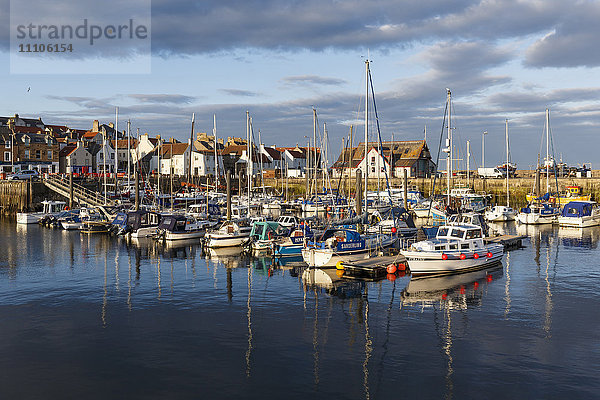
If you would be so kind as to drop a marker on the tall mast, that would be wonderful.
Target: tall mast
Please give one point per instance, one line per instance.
(314, 161)
(324, 159)
(366, 132)
(249, 164)
(468, 164)
(189, 174)
(449, 157)
(547, 151)
(128, 157)
(260, 160)
(216, 157)
(116, 146)
(507, 169)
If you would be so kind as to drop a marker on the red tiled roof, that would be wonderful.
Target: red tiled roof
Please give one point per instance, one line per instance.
(67, 150)
(28, 129)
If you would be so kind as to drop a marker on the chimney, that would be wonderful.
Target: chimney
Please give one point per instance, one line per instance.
(95, 126)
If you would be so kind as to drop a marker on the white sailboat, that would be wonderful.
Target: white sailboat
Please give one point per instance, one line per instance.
(500, 213)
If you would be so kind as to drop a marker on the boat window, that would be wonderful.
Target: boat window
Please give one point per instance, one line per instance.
(453, 247)
(443, 232)
(440, 247)
(473, 234)
(464, 246)
(457, 233)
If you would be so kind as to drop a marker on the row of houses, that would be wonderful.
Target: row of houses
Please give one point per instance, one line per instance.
(31, 144)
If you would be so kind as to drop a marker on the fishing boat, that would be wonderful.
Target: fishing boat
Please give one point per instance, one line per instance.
(538, 213)
(500, 214)
(263, 235)
(292, 245)
(50, 207)
(337, 245)
(230, 234)
(580, 214)
(180, 227)
(456, 248)
(470, 218)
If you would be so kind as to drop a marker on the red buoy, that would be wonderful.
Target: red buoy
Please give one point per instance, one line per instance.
(394, 230)
(488, 278)
(401, 267)
(391, 277)
(401, 274)
(391, 269)
(462, 289)
(444, 256)
(476, 285)
(476, 256)
(489, 254)
(462, 256)
(444, 296)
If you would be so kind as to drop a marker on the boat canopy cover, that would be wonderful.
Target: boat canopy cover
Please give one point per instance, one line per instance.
(350, 235)
(577, 209)
(261, 230)
(173, 223)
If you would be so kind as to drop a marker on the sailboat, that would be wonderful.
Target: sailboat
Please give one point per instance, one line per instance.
(540, 210)
(503, 213)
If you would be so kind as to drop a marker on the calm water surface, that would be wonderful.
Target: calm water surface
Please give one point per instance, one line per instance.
(97, 317)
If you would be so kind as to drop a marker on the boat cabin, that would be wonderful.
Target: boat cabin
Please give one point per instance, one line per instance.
(457, 238)
(578, 209)
(52, 207)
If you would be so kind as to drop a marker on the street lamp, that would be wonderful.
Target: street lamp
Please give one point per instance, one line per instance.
(483, 149)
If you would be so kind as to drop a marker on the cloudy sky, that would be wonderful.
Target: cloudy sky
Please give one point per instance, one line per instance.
(277, 59)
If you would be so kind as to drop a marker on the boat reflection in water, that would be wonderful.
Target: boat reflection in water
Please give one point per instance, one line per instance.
(458, 291)
(230, 257)
(586, 238)
(334, 283)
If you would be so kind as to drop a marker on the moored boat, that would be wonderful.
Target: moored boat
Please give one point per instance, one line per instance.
(50, 207)
(180, 227)
(229, 234)
(456, 248)
(580, 214)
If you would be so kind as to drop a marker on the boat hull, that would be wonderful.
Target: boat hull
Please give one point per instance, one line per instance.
(29, 218)
(578, 222)
(535, 219)
(424, 263)
(216, 241)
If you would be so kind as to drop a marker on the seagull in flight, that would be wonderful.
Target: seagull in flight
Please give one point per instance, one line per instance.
(28, 89)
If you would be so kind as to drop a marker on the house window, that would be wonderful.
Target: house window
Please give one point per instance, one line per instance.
(7, 156)
(49, 154)
(38, 154)
(372, 169)
(112, 156)
(27, 154)
(372, 159)
(7, 144)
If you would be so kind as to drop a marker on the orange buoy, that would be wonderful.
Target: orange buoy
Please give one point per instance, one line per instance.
(391, 269)
(391, 277)
(476, 256)
(462, 256)
(444, 256)
(339, 273)
(401, 267)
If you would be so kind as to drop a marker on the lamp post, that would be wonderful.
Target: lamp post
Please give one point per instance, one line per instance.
(483, 149)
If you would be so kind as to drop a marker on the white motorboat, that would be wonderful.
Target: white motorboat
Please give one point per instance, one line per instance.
(180, 227)
(500, 214)
(580, 214)
(50, 207)
(342, 244)
(538, 213)
(230, 234)
(456, 248)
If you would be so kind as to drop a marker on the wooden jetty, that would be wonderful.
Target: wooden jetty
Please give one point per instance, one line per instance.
(371, 267)
(508, 241)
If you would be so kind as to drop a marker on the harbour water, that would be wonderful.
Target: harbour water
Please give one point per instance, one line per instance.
(99, 317)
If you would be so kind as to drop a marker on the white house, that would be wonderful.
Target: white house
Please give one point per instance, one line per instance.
(105, 157)
(174, 158)
(294, 161)
(75, 158)
(143, 146)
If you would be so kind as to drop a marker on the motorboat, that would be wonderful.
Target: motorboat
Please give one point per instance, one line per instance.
(500, 214)
(180, 227)
(471, 218)
(263, 235)
(50, 207)
(288, 221)
(580, 214)
(538, 213)
(456, 248)
(336, 245)
(137, 224)
(230, 233)
(292, 245)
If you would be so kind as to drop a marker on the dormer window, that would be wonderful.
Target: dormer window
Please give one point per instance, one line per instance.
(27, 140)
(7, 144)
